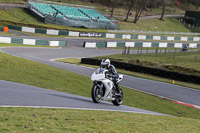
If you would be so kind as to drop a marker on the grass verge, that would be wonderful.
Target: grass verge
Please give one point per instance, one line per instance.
(13, 1)
(61, 120)
(20, 45)
(32, 73)
(8, 33)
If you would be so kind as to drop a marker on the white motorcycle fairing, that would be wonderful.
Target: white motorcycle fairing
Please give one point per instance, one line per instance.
(100, 75)
(106, 88)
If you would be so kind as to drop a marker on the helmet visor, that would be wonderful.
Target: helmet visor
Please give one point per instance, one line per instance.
(104, 65)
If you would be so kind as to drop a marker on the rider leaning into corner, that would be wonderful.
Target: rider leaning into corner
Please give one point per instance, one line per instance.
(105, 63)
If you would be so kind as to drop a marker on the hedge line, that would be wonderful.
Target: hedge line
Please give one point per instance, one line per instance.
(148, 70)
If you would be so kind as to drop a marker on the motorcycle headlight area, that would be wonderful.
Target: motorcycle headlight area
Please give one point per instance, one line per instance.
(97, 71)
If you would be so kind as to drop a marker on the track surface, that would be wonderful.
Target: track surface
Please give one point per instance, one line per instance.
(45, 55)
(15, 94)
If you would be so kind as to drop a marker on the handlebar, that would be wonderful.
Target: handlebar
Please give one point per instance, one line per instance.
(109, 76)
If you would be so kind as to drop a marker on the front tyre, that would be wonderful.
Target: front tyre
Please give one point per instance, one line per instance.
(96, 95)
(118, 98)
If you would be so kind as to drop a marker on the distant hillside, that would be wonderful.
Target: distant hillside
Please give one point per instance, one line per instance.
(170, 24)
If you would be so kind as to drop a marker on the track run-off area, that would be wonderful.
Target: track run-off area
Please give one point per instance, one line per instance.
(15, 94)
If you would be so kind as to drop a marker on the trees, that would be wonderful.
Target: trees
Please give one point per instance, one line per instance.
(163, 10)
(197, 4)
(113, 7)
(139, 8)
(146, 5)
(129, 9)
(122, 2)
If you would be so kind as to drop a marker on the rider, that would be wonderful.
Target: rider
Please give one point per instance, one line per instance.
(105, 63)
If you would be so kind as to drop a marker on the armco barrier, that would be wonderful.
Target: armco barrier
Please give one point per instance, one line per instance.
(103, 35)
(32, 41)
(139, 44)
(147, 70)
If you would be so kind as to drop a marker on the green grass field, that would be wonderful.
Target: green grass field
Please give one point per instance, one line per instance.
(61, 120)
(40, 75)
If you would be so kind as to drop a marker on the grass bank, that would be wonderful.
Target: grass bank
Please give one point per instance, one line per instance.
(32, 73)
(183, 62)
(13, 1)
(170, 25)
(20, 17)
(61, 120)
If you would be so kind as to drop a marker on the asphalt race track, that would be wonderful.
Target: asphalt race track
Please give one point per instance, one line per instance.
(48, 55)
(15, 94)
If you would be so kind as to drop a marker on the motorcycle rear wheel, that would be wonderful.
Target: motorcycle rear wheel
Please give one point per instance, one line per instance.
(118, 99)
(96, 96)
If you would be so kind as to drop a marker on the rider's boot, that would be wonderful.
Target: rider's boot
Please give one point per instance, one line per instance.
(117, 88)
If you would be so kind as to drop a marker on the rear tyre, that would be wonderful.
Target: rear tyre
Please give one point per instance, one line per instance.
(96, 95)
(119, 98)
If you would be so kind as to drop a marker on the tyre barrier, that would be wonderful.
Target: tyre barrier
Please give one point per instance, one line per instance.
(140, 44)
(31, 41)
(148, 70)
(103, 35)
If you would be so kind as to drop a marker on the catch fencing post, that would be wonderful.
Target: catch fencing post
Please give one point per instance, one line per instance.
(174, 54)
(138, 50)
(125, 50)
(128, 52)
(141, 51)
(196, 55)
(156, 51)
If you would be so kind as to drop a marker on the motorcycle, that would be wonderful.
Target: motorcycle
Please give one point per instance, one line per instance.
(104, 87)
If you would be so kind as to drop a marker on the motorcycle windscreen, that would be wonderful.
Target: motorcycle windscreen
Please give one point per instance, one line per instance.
(97, 76)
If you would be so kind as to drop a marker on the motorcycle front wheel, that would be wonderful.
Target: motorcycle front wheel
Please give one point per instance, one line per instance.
(96, 95)
(119, 98)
